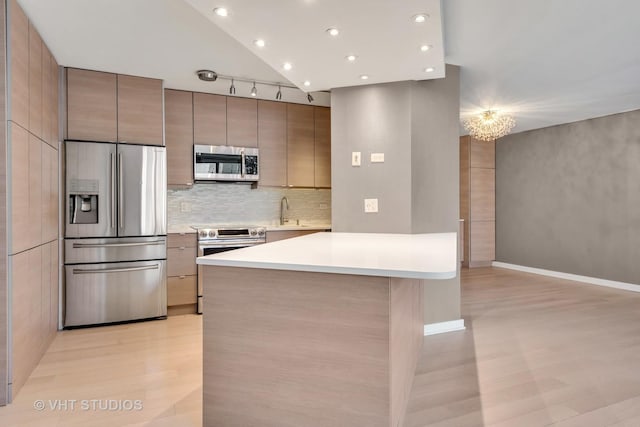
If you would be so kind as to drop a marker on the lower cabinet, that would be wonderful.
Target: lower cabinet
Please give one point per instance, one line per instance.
(274, 236)
(182, 276)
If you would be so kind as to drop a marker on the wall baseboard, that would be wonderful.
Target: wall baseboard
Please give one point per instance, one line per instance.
(442, 327)
(568, 276)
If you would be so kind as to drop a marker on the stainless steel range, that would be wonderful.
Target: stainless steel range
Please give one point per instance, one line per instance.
(213, 240)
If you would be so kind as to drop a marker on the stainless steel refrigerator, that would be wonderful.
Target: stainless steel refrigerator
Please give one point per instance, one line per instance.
(115, 233)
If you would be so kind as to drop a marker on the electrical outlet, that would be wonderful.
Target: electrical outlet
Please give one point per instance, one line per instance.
(356, 158)
(377, 157)
(371, 205)
(185, 207)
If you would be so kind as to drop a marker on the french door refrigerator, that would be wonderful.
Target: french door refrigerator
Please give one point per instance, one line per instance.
(115, 233)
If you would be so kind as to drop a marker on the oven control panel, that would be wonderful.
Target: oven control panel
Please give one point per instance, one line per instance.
(228, 233)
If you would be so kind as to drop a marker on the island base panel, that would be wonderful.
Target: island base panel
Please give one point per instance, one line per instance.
(289, 348)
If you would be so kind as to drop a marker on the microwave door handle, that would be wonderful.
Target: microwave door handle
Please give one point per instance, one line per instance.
(243, 167)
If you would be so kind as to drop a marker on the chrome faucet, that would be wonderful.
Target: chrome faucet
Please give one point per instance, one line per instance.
(284, 201)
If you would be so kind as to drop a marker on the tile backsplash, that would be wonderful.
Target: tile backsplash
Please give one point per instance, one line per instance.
(225, 204)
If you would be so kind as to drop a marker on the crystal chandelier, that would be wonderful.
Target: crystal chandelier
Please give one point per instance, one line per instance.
(489, 125)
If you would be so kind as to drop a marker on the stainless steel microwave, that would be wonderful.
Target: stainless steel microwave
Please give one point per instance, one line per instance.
(224, 163)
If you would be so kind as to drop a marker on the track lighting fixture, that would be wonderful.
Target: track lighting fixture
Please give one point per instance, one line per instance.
(212, 76)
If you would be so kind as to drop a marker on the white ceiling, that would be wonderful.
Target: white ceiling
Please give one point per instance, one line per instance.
(381, 33)
(546, 61)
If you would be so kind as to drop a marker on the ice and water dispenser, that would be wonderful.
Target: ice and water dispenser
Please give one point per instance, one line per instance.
(83, 201)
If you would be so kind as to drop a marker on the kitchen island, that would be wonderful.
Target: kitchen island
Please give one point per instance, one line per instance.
(319, 330)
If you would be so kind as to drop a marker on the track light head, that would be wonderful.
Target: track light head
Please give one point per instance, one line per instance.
(207, 75)
(309, 97)
(279, 93)
(232, 88)
(254, 91)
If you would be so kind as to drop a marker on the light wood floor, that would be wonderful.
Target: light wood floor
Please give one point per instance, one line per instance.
(538, 351)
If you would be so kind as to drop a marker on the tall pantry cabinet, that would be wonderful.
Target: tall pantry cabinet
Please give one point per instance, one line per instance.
(29, 152)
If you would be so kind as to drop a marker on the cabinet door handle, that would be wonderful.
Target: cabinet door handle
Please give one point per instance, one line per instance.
(181, 277)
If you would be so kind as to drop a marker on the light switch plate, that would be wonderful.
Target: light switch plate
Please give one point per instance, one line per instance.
(377, 157)
(371, 205)
(356, 158)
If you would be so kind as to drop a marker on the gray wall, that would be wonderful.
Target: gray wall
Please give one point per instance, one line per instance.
(568, 198)
(415, 124)
(371, 119)
(435, 178)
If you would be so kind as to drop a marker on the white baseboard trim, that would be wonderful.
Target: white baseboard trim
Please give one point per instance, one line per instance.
(442, 327)
(568, 276)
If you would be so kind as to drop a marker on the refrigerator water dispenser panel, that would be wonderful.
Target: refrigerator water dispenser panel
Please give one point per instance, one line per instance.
(84, 208)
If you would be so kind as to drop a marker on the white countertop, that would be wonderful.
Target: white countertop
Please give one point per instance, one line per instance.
(417, 256)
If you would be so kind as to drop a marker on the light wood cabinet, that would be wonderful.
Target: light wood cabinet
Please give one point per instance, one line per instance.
(477, 201)
(19, 188)
(242, 122)
(322, 147)
(35, 191)
(300, 145)
(179, 136)
(49, 212)
(272, 141)
(35, 82)
(209, 119)
(182, 272)
(49, 98)
(92, 108)
(19, 62)
(140, 110)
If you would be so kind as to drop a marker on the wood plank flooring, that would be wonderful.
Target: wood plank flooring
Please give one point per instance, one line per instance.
(538, 351)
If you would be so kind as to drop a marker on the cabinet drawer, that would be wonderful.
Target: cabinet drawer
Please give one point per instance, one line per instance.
(181, 262)
(176, 240)
(181, 290)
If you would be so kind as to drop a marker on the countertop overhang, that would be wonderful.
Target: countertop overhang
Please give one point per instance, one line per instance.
(413, 256)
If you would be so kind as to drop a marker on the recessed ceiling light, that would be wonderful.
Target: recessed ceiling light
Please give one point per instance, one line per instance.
(425, 47)
(259, 42)
(333, 31)
(420, 18)
(364, 77)
(307, 83)
(221, 11)
(350, 58)
(287, 66)
(429, 70)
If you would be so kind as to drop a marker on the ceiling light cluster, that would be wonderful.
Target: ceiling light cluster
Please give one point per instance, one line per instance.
(489, 125)
(418, 18)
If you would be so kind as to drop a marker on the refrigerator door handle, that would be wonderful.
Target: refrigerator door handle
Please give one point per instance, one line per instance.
(120, 192)
(112, 183)
(116, 245)
(114, 270)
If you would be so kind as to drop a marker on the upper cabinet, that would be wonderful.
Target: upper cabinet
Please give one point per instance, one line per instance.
(242, 122)
(139, 110)
(19, 60)
(272, 140)
(178, 107)
(92, 108)
(113, 108)
(209, 119)
(35, 82)
(322, 139)
(300, 145)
